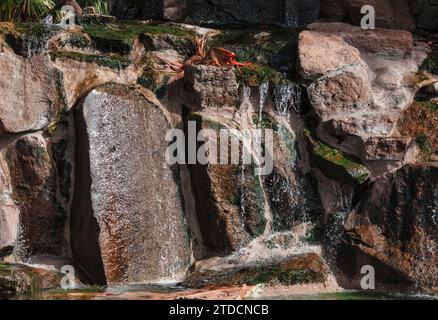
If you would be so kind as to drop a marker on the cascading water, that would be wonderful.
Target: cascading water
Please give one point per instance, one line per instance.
(287, 97)
(263, 90)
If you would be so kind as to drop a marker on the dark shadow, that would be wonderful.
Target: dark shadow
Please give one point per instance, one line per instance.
(84, 227)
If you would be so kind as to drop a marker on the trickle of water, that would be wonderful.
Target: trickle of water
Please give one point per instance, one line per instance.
(264, 88)
(286, 98)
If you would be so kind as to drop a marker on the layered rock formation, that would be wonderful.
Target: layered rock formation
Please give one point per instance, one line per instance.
(84, 119)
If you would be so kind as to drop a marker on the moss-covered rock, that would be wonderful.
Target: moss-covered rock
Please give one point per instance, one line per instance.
(337, 165)
(23, 280)
(30, 38)
(303, 269)
(112, 62)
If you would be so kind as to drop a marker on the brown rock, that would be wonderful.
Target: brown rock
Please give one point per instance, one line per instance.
(128, 223)
(339, 94)
(30, 96)
(395, 230)
(379, 41)
(321, 53)
(391, 14)
(34, 190)
(211, 87)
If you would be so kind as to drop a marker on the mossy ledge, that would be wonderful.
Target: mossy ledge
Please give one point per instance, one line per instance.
(334, 162)
(112, 62)
(305, 269)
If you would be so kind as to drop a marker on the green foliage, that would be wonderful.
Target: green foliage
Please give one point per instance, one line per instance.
(256, 74)
(25, 10)
(101, 6)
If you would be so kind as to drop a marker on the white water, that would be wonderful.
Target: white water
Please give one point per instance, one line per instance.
(287, 97)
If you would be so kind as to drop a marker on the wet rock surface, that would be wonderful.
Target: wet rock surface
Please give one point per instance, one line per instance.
(130, 157)
(353, 115)
(396, 228)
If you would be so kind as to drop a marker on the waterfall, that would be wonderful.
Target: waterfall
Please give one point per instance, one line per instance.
(264, 90)
(287, 97)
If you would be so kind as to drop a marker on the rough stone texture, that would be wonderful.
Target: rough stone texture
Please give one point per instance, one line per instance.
(211, 87)
(230, 203)
(366, 95)
(299, 269)
(383, 42)
(8, 212)
(292, 13)
(23, 280)
(34, 190)
(395, 148)
(135, 196)
(30, 98)
(339, 94)
(395, 229)
(320, 53)
(391, 14)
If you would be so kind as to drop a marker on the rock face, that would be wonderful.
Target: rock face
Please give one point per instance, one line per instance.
(135, 196)
(8, 213)
(34, 189)
(30, 96)
(368, 83)
(211, 87)
(395, 229)
(230, 209)
(391, 14)
(280, 12)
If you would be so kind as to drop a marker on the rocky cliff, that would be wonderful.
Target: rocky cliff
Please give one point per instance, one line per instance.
(84, 125)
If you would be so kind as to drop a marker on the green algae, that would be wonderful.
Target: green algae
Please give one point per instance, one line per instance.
(356, 170)
(128, 31)
(112, 62)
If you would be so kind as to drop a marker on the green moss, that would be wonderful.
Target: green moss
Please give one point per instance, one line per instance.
(78, 40)
(356, 170)
(128, 31)
(257, 74)
(113, 62)
(266, 122)
(28, 39)
(267, 274)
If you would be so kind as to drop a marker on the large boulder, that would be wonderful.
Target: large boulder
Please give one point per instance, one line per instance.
(128, 223)
(211, 87)
(395, 229)
(374, 81)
